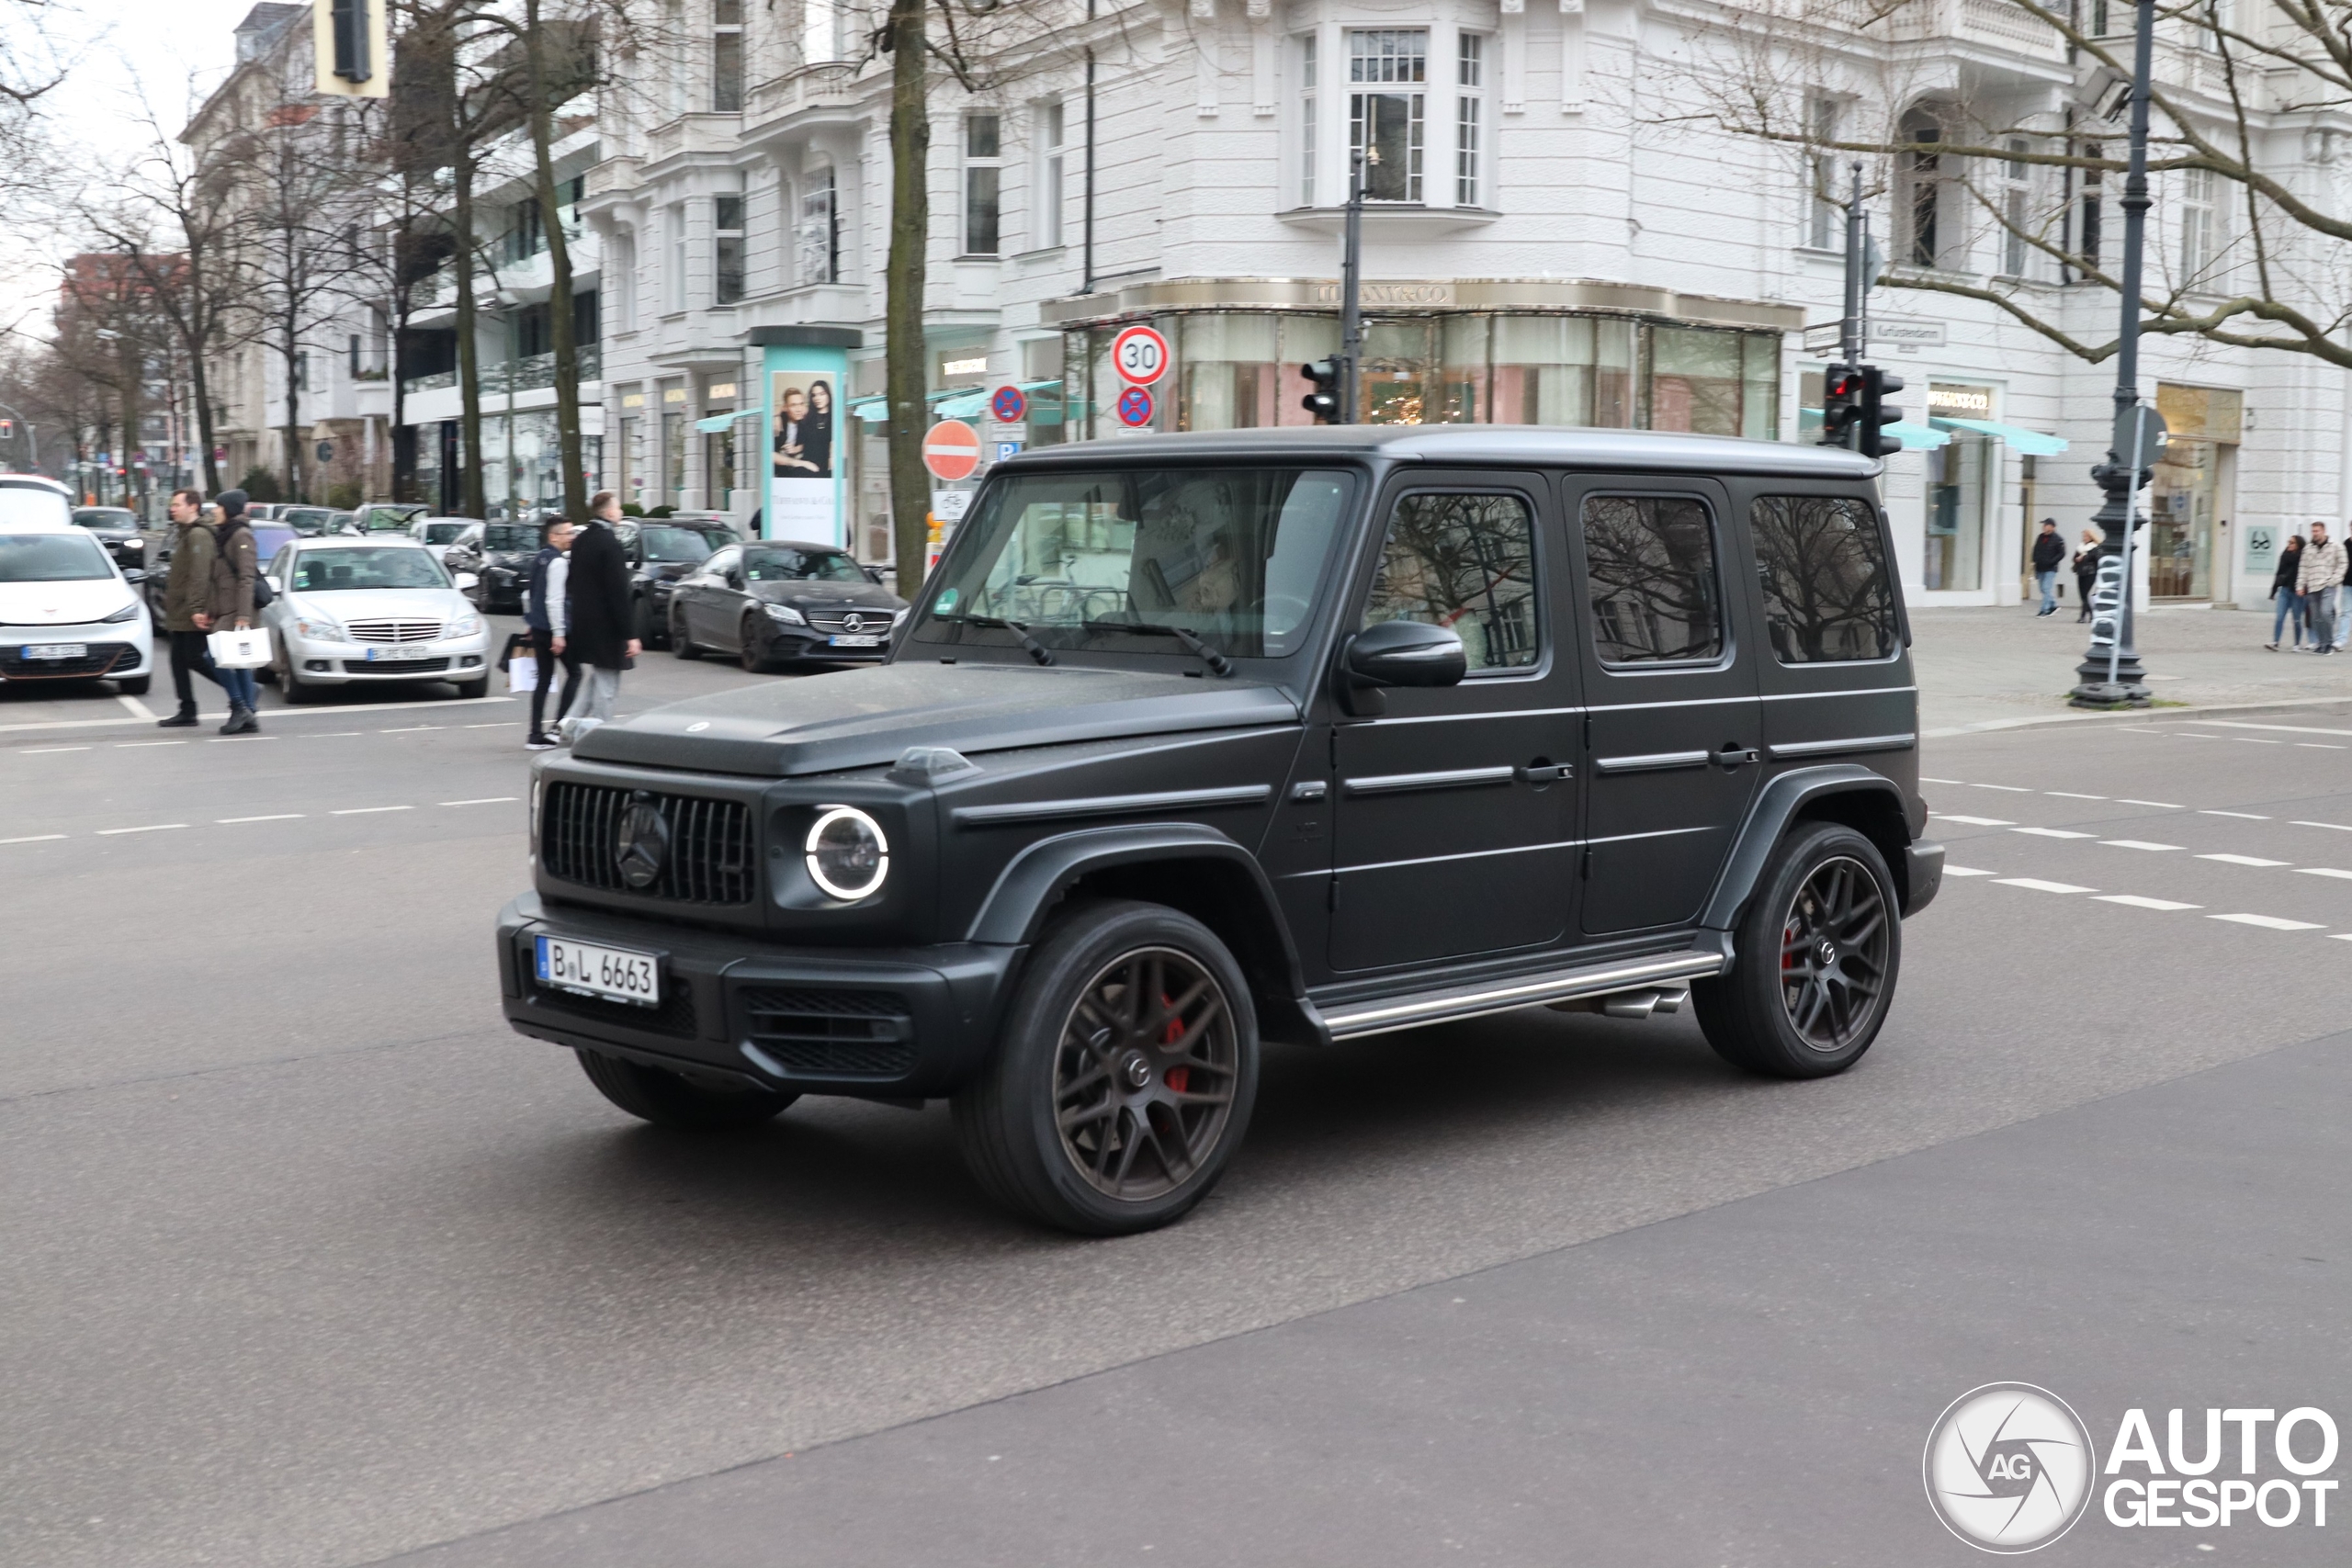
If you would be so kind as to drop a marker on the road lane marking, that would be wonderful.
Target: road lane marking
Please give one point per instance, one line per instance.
(1924, 779)
(45, 750)
(2319, 746)
(2267, 923)
(2038, 886)
(128, 745)
(331, 735)
(2325, 871)
(2276, 728)
(2052, 833)
(134, 707)
(2135, 844)
(486, 800)
(2241, 859)
(2070, 795)
(368, 810)
(1964, 871)
(2192, 734)
(496, 724)
(33, 839)
(411, 729)
(2005, 789)
(1971, 821)
(233, 740)
(2337, 825)
(2247, 814)
(273, 817)
(2243, 740)
(2162, 804)
(150, 828)
(2139, 903)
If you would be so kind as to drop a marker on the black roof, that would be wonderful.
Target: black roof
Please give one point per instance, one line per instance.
(1529, 445)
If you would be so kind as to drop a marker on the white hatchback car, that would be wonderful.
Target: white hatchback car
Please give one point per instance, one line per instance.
(67, 611)
(374, 608)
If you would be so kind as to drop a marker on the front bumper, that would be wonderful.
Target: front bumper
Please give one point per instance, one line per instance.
(1923, 874)
(335, 664)
(807, 643)
(112, 649)
(879, 1022)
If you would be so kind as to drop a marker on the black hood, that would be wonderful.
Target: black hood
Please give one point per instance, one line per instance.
(862, 718)
(803, 594)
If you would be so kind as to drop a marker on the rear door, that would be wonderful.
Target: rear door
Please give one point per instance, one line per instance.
(1673, 732)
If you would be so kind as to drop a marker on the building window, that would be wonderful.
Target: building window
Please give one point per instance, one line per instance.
(726, 249)
(983, 150)
(1306, 142)
(1384, 111)
(1923, 196)
(2088, 211)
(1049, 191)
(1470, 81)
(673, 32)
(525, 236)
(2016, 208)
(624, 270)
(727, 56)
(823, 35)
(674, 282)
(817, 239)
(1824, 214)
(2197, 226)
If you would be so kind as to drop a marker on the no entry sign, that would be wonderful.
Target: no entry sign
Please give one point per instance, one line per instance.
(1141, 355)
(951, 449)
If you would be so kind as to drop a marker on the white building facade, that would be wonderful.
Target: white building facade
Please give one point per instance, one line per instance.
(1554, 236)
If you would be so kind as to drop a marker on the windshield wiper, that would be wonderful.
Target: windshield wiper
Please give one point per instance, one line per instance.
(1037, 650)
(1217, 662)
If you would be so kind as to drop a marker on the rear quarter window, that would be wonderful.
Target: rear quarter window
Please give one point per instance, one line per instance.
(1822, 560)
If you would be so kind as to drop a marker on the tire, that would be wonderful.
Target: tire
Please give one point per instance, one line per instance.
(640, 623)
(134, 685)
(1082, 1169)
(680, 643)
(1780, 1011)
(292, 687)
(471, 689)
(670, 1100)
(755, 661)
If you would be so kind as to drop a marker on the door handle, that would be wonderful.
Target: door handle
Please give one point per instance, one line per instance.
(1734, 756)
(1543, 772)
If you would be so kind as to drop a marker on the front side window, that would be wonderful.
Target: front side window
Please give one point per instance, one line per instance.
(983, 169)
(51, 558)
(339, 572)
(1117, 560)
(1655, 592)
(1466, 562)
(1822, 563)
(1386, 72)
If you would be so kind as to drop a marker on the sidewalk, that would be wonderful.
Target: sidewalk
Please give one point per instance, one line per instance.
(1988, 668)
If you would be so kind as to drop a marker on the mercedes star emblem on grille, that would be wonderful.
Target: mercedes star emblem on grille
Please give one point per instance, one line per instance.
(852, 622)
(643, 841)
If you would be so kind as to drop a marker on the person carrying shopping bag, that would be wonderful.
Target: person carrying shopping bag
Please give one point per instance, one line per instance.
(187, 593)
(229, 604)
(598, 617)
(2283, 593)
(543, 613)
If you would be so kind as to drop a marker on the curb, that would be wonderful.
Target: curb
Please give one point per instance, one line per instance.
(2282, 705)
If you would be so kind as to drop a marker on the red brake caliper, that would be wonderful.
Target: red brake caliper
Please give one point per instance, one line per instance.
(1178, 1077)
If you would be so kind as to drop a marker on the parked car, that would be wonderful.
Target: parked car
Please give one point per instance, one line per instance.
(499, 555)
(310, 522)
(1297, 734)
(269, 537)
(116, 528)
(776, 602)
(69, 611)
(659, 554)
(259, 511)
(390, 517)
(371, 610)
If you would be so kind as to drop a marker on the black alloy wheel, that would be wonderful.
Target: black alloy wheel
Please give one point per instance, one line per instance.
(1818, 946)
(680, 643)
(749, 648)
(1124, 1077)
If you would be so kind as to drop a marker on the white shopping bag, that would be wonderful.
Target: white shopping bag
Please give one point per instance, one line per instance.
(247, 650)
(522, 672)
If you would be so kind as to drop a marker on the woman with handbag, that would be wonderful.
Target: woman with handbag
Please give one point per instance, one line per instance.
(229, 605)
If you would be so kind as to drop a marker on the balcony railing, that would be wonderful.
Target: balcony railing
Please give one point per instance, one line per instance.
(527, 373)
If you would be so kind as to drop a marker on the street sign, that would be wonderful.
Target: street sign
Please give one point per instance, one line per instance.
(326, 451)
(1009, 405)
(1135, 408)
(1005, 449)
(951, 449)
(1825, 337)
(1141, 355)
(949, 505)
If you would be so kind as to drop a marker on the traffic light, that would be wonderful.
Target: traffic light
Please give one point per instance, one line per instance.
(1872, 416)
(7, 430)
(1842, 387)
(1323, 402)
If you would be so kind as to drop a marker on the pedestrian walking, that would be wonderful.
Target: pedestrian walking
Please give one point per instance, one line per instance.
(185, 594)
(543, 612)
(597, 617)
(2049, 549)
(229, 605)
(2085, 573)
(2319, 577)
(2284, 596)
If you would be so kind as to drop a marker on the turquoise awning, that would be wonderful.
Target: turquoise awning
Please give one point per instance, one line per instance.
(968, 406)
(720, 422)
(2032, 443)
(873, 410)
(1915, 437)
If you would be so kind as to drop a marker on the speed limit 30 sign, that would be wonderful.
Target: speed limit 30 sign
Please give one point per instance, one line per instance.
(1141, 355)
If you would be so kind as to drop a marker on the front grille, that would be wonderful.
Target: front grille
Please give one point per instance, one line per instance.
(871, 623)
(832, 1033)
(98, 658)
(674, 1015)
(394, 666)
(393, 631)
(709, 859)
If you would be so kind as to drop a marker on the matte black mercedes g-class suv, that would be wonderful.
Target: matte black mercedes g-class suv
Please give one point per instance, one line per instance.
(1298, 735)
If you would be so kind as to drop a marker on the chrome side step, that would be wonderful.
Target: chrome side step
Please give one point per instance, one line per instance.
(1649, 975)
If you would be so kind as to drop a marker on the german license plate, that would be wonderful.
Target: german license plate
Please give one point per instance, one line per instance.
(58, 651)
(613, 973)
(397, 655)
(848, 642)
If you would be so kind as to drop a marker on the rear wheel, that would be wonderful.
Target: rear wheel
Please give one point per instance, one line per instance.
(672, 1099)
(1817, 953)
(1123, 1078)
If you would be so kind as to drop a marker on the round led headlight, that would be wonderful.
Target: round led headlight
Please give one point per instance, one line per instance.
(846, 854)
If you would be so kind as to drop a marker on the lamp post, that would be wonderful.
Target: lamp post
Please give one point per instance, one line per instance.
(1351, 289)
(2110, 675)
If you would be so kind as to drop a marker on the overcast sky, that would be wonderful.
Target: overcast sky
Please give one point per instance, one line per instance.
(125, 49)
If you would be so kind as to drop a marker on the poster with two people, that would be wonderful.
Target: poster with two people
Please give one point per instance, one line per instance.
(807, 444)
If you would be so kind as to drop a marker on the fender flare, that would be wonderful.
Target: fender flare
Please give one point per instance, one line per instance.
(1777, 804)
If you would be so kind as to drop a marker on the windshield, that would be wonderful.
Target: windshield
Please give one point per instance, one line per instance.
(23, 504)
(509, 537)
(105, 517)
(689, 545)
(338, 572)
(443, 533)
(1232, 556)
(800, 566)
(51, 558)
(268, 539)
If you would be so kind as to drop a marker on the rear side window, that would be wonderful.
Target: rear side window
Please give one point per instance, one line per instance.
(1655, 592)
(1466, 562)
(1822, 563)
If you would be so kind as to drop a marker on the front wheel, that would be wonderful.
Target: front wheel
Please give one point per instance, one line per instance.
(670, 1100)
(475, 688)
(747, 649)
(133, 685)
(680, 643)
(1123, 1078)
(1818, 951)
(293, 688)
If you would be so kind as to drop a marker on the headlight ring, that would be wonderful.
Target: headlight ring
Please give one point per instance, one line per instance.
(847, 854)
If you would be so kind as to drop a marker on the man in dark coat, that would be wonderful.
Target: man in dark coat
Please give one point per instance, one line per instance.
(2049, 549)
(598, 616)
(187, 592)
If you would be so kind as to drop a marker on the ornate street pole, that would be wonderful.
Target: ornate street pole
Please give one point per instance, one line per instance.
(1352, 291)
(2110, 675)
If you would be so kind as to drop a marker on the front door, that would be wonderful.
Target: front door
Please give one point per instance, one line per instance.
(1455, 810)
(704, 596)
(1673, 732)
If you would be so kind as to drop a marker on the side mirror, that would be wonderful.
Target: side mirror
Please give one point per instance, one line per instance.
(1398, 653)
(467, 582)
(134, 575)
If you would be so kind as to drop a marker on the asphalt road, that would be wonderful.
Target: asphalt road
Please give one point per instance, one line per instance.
(305, 1259)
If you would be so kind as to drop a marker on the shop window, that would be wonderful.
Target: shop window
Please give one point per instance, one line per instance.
(1466, 562)
(983, 170)
(1563, 370)
(1713, 383)
(1386, 70)
(726, 249)
(1823, 562)
(1651, 562)
(1960, 477)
